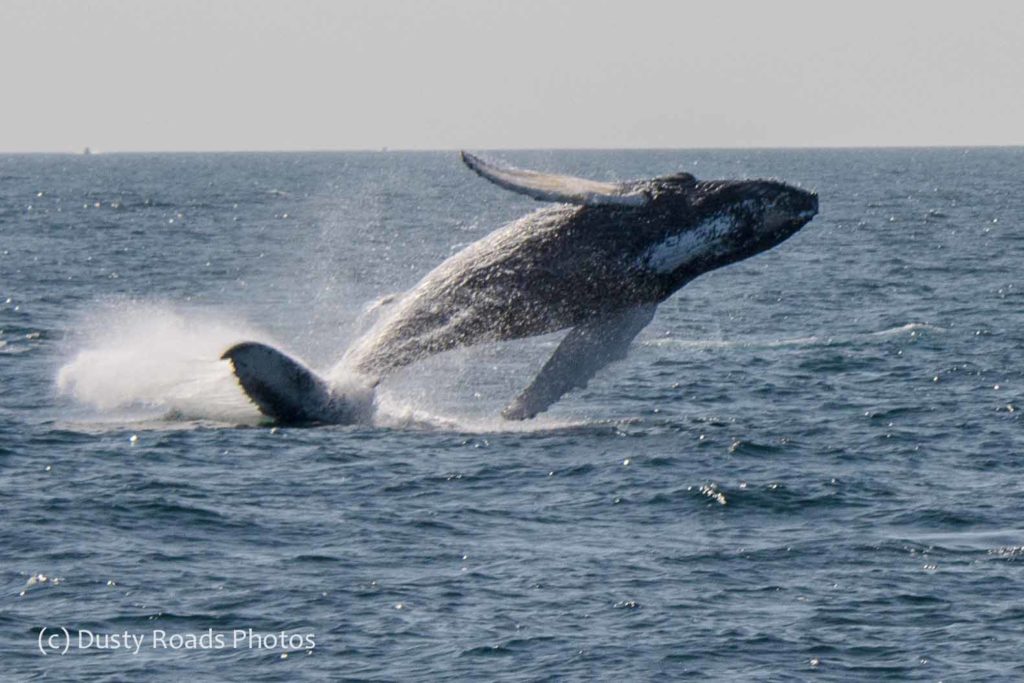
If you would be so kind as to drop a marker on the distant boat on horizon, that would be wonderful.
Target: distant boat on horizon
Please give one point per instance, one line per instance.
(86, 151)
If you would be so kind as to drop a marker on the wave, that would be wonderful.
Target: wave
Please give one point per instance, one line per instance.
(913, 329)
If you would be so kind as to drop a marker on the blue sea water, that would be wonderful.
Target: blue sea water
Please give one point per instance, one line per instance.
(809, 467)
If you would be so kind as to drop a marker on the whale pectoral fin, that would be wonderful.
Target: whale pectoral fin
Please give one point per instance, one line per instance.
(282, 387)
(585, 350)
(557, 188)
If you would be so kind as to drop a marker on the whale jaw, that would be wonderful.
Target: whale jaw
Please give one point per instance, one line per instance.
(287, 391)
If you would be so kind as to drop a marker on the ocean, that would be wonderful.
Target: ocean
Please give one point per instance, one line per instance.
(808, 467)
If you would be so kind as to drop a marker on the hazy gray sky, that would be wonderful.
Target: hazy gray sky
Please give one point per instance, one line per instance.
(439, 74)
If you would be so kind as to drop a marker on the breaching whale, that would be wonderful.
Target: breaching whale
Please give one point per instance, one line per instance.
(597, 263)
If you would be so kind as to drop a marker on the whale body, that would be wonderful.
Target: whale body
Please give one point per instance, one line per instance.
(597, 262)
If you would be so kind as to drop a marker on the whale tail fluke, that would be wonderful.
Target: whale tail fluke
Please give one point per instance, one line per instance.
(289, 392)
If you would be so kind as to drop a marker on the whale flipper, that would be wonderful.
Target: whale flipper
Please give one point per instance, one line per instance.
(585, 350)
(558, 188)
(285, 389)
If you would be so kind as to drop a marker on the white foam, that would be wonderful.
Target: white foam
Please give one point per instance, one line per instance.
(142, 355)
(810, 340)
(395, 412)
(909, 327)
(159, 365)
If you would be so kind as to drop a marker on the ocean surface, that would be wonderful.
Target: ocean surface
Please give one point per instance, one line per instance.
(809, 467)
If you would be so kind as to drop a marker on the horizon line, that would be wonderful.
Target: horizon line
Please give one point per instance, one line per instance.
(89, 151)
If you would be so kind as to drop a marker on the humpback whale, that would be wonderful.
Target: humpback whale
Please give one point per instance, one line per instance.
(597, 263)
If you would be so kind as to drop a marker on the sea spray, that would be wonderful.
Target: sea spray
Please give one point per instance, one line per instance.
(166, 361)
(157, 356)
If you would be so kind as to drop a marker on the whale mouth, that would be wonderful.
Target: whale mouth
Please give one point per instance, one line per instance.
(808, 210)
(812, 210)
(792, 208)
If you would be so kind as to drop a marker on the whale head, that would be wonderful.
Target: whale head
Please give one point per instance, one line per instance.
(710, 224)
(679, 227)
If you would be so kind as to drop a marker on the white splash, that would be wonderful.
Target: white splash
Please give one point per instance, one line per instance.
(151, 356)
